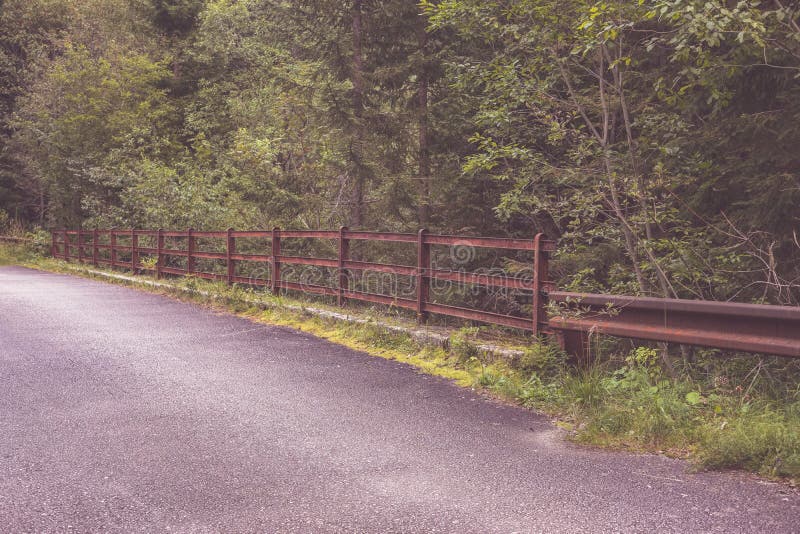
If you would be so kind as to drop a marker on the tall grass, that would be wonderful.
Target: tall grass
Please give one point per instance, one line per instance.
(721, 413)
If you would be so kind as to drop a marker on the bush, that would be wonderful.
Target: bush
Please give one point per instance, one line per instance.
(41, 240)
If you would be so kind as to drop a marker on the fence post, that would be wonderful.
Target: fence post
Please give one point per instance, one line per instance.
(113, 248)
(159, 255)
(94, 247)
(423, 280)
(540, 274)
(134, 251)
(80, 245)
(276, 263)
(53, 246)
(572, 342)
(190, 251)
(230, 249)
(66, 245)
(344, 254)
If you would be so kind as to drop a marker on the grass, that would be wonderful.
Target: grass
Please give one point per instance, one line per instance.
(13, 254)
(721, 413)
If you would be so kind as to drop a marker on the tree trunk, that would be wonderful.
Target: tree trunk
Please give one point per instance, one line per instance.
(356, 151)
(41, 205)
(424, 160)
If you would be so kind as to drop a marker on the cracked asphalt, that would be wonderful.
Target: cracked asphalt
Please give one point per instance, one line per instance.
(124, 411)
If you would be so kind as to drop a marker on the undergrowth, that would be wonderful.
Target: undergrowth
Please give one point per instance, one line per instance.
(722, 412)
(714, 413)
(14, 254)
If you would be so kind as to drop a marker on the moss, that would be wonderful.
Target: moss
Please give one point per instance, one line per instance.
(372, 340)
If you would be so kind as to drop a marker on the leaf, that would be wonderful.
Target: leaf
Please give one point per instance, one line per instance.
(693, 398)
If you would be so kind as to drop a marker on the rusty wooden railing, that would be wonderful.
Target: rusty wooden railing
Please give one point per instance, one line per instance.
(89, 246)
(725, 325)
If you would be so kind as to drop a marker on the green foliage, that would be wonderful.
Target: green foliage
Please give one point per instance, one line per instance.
(714, 418)
(756, 437)
(175, 16)
(148, 262)
(610, 127)
(41, 240)
(544, 358)
(586, 387)
(90, 119)
(462, 344)
(654, 139)
(646, 406)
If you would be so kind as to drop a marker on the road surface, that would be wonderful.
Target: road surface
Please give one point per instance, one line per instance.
(127, 411)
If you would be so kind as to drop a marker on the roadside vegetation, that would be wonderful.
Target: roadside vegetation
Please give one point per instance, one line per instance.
(721, 411)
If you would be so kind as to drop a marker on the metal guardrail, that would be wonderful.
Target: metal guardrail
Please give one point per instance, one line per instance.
(725, 325)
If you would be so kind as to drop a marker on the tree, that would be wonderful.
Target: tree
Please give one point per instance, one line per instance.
(28, 31)
(86, 121)
(595, 117)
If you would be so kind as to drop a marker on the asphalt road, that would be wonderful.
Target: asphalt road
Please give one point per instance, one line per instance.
(126, 411)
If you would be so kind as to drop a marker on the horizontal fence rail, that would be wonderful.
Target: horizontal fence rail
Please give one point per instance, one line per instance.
(124, 249)
(574, 316)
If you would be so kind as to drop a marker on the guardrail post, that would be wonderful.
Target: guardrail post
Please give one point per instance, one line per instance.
(190, 251)
(94, 247)
(134, 251)
(276, 263)
(230, 248)
(540, 268)
(423, 280)
(66, 246)
(159, 255)
(344, 253)
(113, 248)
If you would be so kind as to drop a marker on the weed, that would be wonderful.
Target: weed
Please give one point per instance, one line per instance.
(536, 393)
(14, 254)
(757, 437)
(586, 387)
(462, 344)
(544, 358)
(148, 262)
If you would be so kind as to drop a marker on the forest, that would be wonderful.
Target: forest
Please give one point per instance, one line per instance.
(655, 140)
